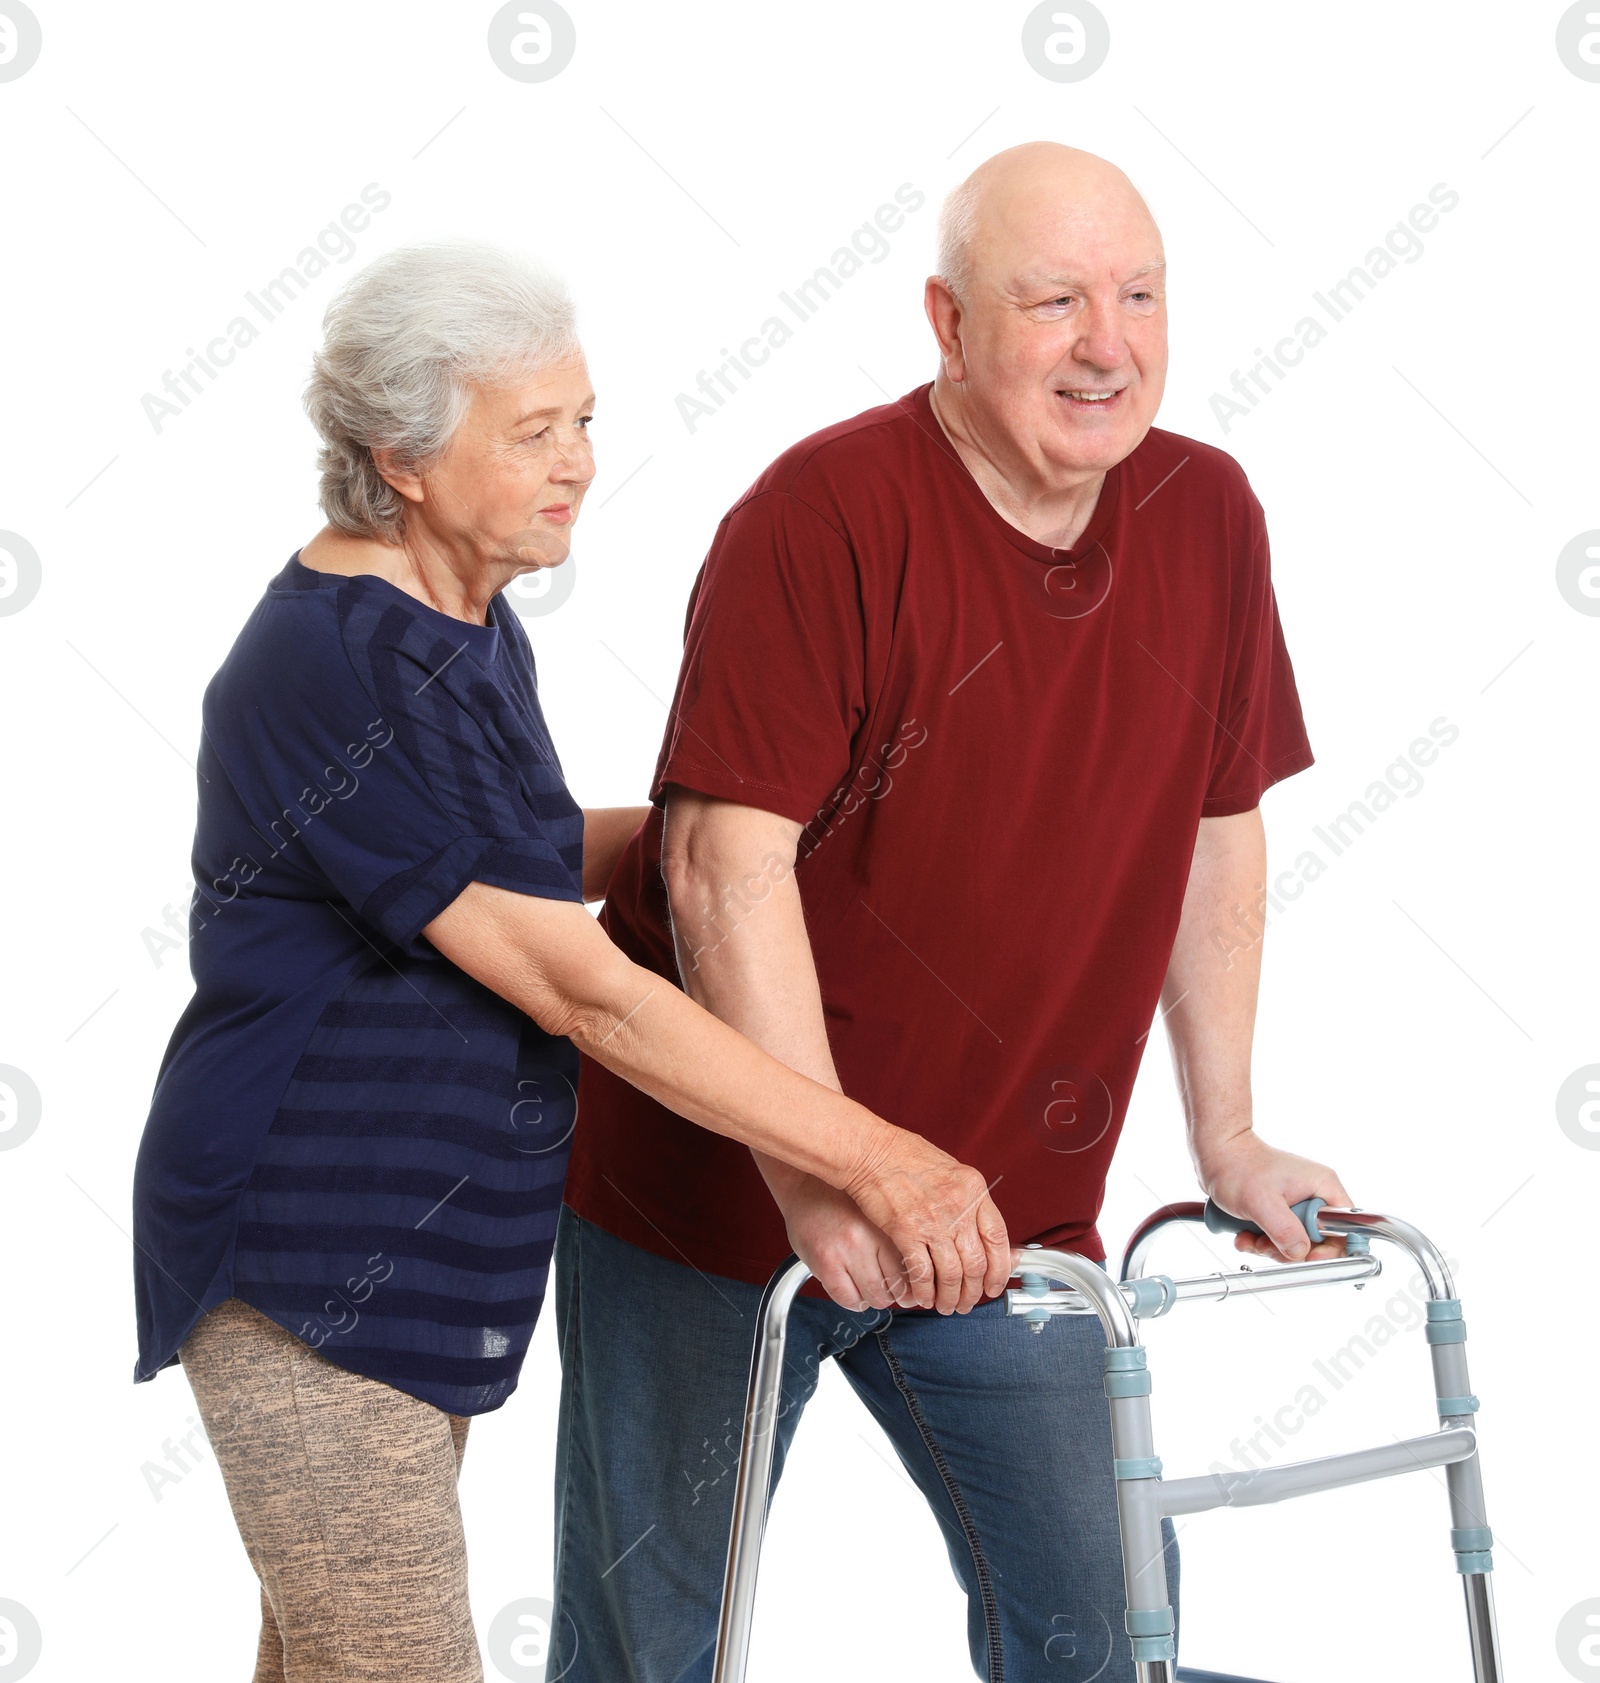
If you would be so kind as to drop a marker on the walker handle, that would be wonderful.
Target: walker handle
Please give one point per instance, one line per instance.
(1219, 1221)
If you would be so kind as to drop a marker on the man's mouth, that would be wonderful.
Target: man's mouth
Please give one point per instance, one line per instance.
(1091, 399)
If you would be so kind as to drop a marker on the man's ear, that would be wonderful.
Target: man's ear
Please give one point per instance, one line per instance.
(944, 316)
(404, 478)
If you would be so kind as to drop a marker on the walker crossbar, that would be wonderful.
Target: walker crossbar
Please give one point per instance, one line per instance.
(1063, 1283)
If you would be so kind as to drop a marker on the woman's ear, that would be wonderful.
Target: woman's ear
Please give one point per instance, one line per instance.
(404, 479)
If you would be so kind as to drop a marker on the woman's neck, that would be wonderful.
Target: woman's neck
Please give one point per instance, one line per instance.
(418, 568)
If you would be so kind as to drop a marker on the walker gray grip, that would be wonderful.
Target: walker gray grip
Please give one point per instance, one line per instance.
(1219, 1221)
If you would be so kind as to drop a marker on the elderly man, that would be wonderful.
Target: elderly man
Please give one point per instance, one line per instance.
(981, 693)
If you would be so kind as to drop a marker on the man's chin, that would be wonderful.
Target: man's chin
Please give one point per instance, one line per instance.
(1095, 447)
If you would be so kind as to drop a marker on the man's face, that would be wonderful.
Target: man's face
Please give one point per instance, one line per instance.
(1064, 333)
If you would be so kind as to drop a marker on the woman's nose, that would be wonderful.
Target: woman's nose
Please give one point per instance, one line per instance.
(574, 463)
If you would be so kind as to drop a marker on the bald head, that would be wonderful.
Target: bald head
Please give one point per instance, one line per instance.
(1025, 205)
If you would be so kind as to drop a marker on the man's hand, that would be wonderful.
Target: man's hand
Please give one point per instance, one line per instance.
(1252, 1179)
(853, 1261)
(860, 1267)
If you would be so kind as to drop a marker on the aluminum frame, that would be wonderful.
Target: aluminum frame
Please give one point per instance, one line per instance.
(1061, 1282)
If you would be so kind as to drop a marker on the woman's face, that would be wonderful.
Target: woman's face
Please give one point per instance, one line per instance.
(508, 489)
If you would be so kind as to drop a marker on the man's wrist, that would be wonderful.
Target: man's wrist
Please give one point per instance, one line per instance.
(1214, 1145)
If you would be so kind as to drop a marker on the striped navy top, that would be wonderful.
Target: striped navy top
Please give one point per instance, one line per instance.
(348, 1132)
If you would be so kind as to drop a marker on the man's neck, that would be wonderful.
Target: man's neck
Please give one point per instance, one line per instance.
(1043, 509)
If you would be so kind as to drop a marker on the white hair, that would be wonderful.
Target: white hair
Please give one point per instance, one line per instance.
(958, 223)
(405, 345)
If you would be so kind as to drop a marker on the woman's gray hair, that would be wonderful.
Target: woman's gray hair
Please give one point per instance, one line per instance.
(404, 346)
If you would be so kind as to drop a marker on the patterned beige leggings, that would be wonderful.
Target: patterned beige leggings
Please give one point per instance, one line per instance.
(345, 1493)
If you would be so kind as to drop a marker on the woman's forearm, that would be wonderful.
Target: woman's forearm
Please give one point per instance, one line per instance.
(552, 960)
(606, 831)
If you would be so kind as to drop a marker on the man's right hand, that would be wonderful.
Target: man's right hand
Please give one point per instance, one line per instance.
(916, 1228)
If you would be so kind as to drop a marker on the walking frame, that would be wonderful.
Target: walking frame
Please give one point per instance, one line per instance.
(1062, 1283)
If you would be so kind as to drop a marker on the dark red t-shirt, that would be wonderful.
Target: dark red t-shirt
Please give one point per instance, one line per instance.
(1001, 753)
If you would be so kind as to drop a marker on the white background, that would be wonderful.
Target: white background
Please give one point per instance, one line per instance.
(1423, 1000)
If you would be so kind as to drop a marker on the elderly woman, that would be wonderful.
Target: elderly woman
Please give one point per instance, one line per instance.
(347, 1190)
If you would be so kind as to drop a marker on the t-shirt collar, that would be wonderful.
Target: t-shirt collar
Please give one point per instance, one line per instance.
(918, 404)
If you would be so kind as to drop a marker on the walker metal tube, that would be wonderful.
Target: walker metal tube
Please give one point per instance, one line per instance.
(753, 1482)
(1470, 1534)
(1210, 1287)
(1144, 1235)
(1304, 1478)
(1144, 1567)
(1463, 1478)
(1482, 1630)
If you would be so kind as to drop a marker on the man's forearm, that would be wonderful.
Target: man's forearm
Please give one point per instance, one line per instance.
(740, 934)
(1212, 981)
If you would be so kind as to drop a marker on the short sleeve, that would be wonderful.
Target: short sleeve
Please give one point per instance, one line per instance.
(771, 691)
(394, 787)
(1261, 736)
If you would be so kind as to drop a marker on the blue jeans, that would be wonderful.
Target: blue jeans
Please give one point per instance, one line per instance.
(1005, 1432)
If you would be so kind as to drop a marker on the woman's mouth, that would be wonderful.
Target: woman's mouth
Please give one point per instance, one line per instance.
(559, 513)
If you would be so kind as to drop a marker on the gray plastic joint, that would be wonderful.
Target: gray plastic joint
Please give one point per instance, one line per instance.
(1149, 1621)
(1358, 1244)
(1153, 1294)
(1153, 1648)
(1474, 1561)
(1445, 1325)
(1125, 1371)
(1035, 1285)
(1471, 1537)
(1451, 1407)
(1136, 1466)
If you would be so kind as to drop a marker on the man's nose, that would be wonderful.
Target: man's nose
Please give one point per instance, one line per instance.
(1102, 343)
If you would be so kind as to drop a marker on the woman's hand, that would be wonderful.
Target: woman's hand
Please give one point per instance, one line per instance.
(937, 1217)
(552, 960)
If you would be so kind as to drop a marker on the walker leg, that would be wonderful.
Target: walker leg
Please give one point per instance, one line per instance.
(753, 1483)
(1150, 1624)
(1470, 1535)
(1481, 1627)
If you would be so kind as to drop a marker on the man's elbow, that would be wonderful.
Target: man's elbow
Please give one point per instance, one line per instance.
(719, 861)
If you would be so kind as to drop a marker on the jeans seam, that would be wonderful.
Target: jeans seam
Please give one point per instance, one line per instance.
(991, 1611)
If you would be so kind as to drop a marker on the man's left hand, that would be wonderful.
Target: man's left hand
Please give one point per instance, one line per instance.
(1258, 1182)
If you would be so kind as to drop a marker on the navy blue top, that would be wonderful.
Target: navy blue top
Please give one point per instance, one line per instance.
(348, 1132)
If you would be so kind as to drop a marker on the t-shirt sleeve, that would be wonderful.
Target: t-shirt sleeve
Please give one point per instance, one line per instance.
(397, 791)
(1260, 736)
(772, 689)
